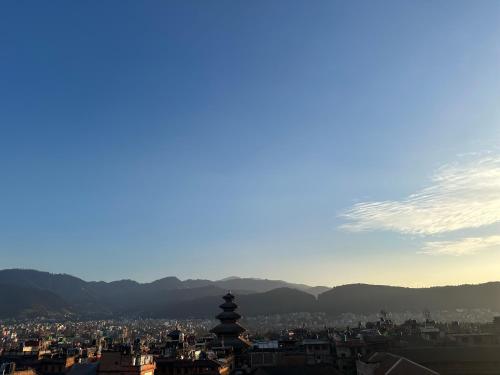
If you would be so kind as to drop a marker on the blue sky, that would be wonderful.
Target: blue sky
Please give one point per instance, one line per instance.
(210, 138)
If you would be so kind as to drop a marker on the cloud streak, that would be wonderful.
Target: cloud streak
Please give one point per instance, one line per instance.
(460, 196)
(464, 246)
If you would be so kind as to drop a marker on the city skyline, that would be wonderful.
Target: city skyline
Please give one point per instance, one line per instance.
(328, 144)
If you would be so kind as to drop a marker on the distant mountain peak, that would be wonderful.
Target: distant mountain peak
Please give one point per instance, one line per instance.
(229, 278)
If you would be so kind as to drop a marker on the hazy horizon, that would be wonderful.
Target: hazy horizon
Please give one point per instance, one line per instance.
(225, 278)
(322, 144)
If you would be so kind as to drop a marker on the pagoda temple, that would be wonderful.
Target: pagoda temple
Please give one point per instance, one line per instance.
(229, 331)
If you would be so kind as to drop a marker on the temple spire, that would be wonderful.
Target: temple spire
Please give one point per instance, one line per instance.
(229, 331)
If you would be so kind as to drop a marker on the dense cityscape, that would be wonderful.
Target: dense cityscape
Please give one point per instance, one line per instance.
(300, 343)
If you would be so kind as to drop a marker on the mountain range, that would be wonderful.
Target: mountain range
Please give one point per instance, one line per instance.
(66, 294)
(30, 293)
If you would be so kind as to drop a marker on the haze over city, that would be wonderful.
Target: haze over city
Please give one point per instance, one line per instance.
(324, 143)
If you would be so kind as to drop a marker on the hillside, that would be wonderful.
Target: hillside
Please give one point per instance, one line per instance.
(160, 298)
(34, 293)
(276, 301)
(25, 302)
(363, 298)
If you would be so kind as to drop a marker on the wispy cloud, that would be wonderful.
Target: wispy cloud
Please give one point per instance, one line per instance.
(461, 195)
(464, 246)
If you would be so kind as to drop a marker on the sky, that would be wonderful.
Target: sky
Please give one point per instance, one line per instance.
(324, 142)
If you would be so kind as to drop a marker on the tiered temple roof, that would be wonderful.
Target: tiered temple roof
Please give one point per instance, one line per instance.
(229, 330)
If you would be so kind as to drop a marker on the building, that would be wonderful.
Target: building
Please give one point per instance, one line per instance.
(58, 364)
(390, 364)
(297, 370)
(176, 366)
(474, 339)
(89, 368)
(229, 331)
(455, 360)
(348, 349)
(175, 343)
(318, 351)
(125, 362)
(277, 354)
(11, 369)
